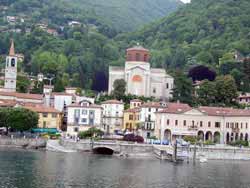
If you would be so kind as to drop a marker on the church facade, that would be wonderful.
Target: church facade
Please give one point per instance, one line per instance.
(141, 79)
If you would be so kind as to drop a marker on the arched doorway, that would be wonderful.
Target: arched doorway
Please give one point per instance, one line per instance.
(228, 138)
(246, 137)
(201, 135)
(232, 137)
(167, 135)
(208, 136)
(236, 136)
(217, 137)
(241, 136)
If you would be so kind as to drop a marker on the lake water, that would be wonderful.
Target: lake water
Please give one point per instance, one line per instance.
(36, 169)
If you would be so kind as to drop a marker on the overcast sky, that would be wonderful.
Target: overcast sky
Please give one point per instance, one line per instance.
(185, 1)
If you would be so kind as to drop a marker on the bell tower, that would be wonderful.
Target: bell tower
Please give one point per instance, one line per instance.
(10, 70)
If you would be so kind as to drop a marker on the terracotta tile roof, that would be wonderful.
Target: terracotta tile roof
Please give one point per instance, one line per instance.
(176, 108)
(136, 100)
(22, 95)
(138, 47)
(112, 102)
(218, 111)
(84, 106)
(152, 105)
(133, 110)
(7, 103)
(42, 109)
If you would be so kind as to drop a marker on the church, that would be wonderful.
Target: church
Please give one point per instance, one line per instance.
(141, 79)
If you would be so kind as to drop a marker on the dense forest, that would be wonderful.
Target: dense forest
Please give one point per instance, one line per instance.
(127, 15)
(206, 34)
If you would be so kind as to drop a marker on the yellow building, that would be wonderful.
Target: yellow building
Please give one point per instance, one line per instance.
(48, 117)
(131, 119)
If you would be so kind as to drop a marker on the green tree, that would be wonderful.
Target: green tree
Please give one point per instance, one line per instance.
(183, 89)
(119, 89)
(206, 93)
(226, 90)
(23, 83)
(19, 119)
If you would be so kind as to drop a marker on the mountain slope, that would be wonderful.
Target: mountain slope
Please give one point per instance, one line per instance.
(127, 15)
(198, 33)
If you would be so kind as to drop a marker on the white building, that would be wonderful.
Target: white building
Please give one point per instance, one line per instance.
(141, 79)
(83, 116)
(220, 125)
(148, 117)
(112, 116)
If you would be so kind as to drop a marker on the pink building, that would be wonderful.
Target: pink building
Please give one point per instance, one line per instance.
(220, 125)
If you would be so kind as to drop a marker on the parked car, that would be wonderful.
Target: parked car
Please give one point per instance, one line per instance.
(165, 142)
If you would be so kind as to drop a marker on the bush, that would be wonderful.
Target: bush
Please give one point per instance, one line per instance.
(239, 143)
(153, 138)
(133, 138)
(190, 139)
(208, 142)
(92, 132)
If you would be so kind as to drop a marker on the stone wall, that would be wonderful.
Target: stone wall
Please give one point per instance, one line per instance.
(24, 143)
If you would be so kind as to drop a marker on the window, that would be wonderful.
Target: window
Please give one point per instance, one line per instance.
(76, 129)
(148, 134)
(84, 112)
(149, 117)
(54, 115)
(167, 121)
(130, 117)
(154, 90)
(176, 122)
(209, 124)
(44, 124)
(184, 122)
(217, 124)
(138, 57)
(201, 123)
(246, 125)
(91, 121)
(13, 62)
(45, 115)
(77, 112)
(84, 120)
(149, 109)
(241, 125)
(167, 85)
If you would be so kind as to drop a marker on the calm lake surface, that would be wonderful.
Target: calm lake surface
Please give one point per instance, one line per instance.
(36, 169)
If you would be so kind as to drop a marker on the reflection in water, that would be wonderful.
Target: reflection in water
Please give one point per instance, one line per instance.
(34, 169)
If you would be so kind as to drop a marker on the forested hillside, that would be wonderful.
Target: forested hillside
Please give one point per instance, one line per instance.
(198, 33)
(127, 15)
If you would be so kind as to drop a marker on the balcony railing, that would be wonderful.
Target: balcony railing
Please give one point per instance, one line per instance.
(193, 128)
(235, 130)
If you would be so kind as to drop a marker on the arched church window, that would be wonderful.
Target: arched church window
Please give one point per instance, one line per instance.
(137, 78)
(137, 57)
(13, 62)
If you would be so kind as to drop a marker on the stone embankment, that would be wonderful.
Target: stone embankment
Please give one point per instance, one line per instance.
(23, 143)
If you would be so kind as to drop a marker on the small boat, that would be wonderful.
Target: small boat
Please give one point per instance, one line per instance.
(203, 160)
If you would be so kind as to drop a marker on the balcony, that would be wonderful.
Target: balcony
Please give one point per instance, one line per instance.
(193, 128)
(235, 130)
